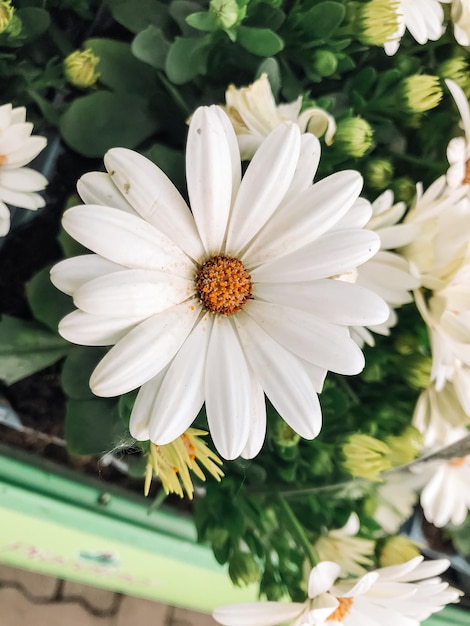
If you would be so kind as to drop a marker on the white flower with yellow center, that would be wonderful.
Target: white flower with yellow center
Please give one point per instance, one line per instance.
(445, 496)
(387, 273)
(424, 19)
(224, 304)
(353, 554)
(458, 149)
(254, 114)
(18, 184)
(400, 594)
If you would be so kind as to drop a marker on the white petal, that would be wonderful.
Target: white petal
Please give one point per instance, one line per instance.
(133, 293)
(233, 148)
(257, 421)
(282, 377)
(4, 219)
(337, 301)
(92, 330)
(322, 578)
(357, 217)
(14, 137)
(209, 177)
(125, 239)
(313, 339)
(181, 393)
(264, 185)
(25, 153)
(332, 254)
(257, 613)
(70, 274)
(154, 197)
(310, 151)
(309, 215)
(25, 200)
(23, 179)
(144, 351)
(227, 390)
(142, 410)
(98, 188)
(462, 105)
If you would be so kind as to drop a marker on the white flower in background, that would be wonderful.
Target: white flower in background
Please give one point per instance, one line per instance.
(460, 15)
(397, 595)
(18, 184)
(394, 500)
(387, 273)
(436, 410)
(424, 19)
(458, 150)
(445, 497)
(254, 114)
(224, 303)
(353, 554)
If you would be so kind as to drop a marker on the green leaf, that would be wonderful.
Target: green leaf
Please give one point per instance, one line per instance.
(178, 68)
(180, 10)
(93, 426)
(34, 22)
(78, 367)
(271, 67)
(119, 69)
(138, 18)
(150, 46)
(203, 20)
(48, 304)
(321, 21)
(260, 41)
(27, 347)
(102, 120)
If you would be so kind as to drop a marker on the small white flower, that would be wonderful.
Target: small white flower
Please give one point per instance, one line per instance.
(423, 18)
(400, 594)
(445, 497)
(224, 304)
(343, 547)
(254, 114)
(18, 184)
(387, 273)
(458, 150)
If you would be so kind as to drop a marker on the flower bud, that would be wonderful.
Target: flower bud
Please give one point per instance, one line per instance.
(227, 12)
(366, 456)
(79, 68)
(243, 569)
(375, 22)
(397, 550)
(404, 189)
(406, 447)
(353, 136)
(6, 14)
(420, 93)
(458, 70)
(379, 173)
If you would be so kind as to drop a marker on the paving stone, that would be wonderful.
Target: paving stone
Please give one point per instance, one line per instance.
(183, 617)
(17, 610)
(38, 586)
(98, 599)
(136, 610)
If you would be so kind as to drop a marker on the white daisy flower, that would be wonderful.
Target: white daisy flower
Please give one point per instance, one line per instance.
(445, 497)
(387, 273)
(224, 303)
(254, 114)
(458, 149)
(460, 15)
(399, 594)
(424, 19)
(353, 554)
(18, 184)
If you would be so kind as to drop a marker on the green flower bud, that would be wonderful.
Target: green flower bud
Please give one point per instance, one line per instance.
(6, 14)
(458, 70)
(243, 569)
(375, 22)
(420, 93)
(406, 345)
(283, 435)
(397, 550)
(404, 189)
(366, 456)
(324, 62)
(406, 447)
(379, 173)
(353, 136)
(416, 370)
(79, 68)
(227, 12)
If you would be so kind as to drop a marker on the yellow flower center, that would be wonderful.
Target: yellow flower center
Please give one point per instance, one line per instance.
(223, 285)
(466, 178)
(342, 610)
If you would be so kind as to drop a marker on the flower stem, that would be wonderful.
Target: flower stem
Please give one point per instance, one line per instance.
(297, 530)
(159, 500)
